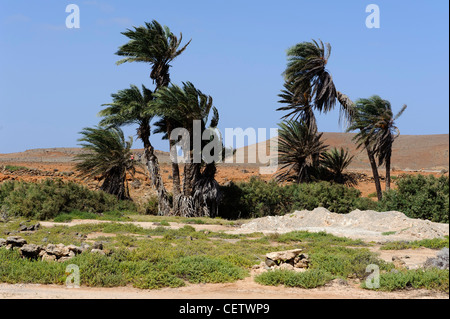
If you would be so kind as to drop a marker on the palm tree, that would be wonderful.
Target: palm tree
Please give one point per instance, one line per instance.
(310, 80)
(379, 126)
(158, 46)
(154, 44)
(299, 147)
(300, 106)
(184, 105)
(131, 106)
(108, 157)
(336, 161)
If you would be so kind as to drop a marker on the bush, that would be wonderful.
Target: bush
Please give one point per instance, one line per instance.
(424, 197)
(258, 198)
(49, 198)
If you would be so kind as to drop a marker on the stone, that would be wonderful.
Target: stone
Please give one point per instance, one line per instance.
(270, 263)
(31, 251)
(74, 249)
(284, 256)
(15, 241)
(2, 242)
(47, 257)
(97, 245)
(398, 263)
(285, 266)
(98, 251)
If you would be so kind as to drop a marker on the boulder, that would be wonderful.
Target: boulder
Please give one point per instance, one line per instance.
(15, 241)
(2, 242)
(284, 256)
(31, 251)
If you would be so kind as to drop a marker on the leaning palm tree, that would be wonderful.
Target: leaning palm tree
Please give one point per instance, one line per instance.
(299, 147)
(158, 46)
(381, 129)
(154, 44)
(336, 161)
(131, 106)
(310, 80)
(108, 157)
(184, 105)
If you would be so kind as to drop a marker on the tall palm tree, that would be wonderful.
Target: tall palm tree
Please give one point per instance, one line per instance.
(131, 106)
(299, 147)
(184, 105)
(310, 80)
(108, 157)
(158, 46)
(379, 120)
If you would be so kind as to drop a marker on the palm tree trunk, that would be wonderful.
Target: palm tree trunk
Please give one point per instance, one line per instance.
(176, 190)
(155, 176)
(388, 171)
(376, 177)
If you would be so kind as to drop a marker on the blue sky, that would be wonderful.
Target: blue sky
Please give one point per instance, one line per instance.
(53, 80)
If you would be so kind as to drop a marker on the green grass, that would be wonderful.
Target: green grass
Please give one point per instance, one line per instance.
(435, 243)
(13, 168)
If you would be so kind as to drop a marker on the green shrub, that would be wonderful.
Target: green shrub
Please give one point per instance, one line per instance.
(432, 279)
(49, 198)
(424, 197)
(308, 279)
(205, 269)
(258, 198)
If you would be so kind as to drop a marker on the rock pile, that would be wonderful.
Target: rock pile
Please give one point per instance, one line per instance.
(285, 260)
(50, 252)
(441, 261)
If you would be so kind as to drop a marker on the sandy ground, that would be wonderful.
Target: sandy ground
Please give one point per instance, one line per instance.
(243, 289)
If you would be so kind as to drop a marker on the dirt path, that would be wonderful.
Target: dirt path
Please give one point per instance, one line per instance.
(243, 289)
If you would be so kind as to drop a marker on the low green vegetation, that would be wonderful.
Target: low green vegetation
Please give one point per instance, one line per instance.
(435, 243)
(49, 198)
(164, 257)
(419, 196)
(15, 168)
(432, 279)
(258, 198)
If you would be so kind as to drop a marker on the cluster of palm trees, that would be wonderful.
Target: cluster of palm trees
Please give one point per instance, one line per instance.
(309, 87)
(174, 107)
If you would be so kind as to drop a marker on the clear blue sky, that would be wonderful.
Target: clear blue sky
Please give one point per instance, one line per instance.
(53, 80)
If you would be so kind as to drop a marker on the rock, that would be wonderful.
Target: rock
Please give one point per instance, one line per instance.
(285, 266)
(76, 250)
(98, 251)
(47, 257)
(23, 228)
(15, 241)
(45, 239)
(270, 263)
(2, 242)
(284, 256)
(398, 263)
(97, 245)
(31, 251)
(441, 261)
